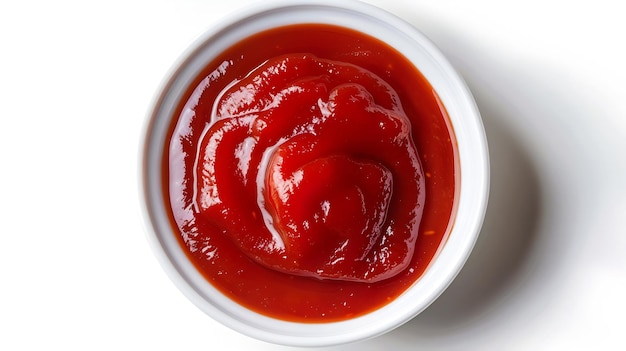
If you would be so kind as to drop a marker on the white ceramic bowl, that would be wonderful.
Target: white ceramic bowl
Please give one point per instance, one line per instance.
(472, 152)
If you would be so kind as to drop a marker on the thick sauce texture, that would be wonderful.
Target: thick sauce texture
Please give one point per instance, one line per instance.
(311, 173)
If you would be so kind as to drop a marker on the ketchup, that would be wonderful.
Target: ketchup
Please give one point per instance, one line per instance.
(311, 173)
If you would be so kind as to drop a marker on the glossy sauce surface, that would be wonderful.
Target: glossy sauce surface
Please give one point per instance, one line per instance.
(311, 173)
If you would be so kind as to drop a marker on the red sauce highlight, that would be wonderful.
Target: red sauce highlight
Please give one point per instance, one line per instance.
(311, 173)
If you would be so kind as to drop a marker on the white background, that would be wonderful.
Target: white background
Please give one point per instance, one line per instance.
(548, 272)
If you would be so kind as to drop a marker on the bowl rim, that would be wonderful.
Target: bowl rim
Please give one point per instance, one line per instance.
(473, 163)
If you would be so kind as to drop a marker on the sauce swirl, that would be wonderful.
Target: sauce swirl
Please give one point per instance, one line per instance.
(311, 184)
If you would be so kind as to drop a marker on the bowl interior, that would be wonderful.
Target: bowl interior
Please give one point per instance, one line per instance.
(472, 153)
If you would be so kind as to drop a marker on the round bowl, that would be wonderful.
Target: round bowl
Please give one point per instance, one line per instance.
(472, 159)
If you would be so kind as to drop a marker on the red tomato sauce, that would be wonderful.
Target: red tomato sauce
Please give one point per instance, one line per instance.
(311, 173)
